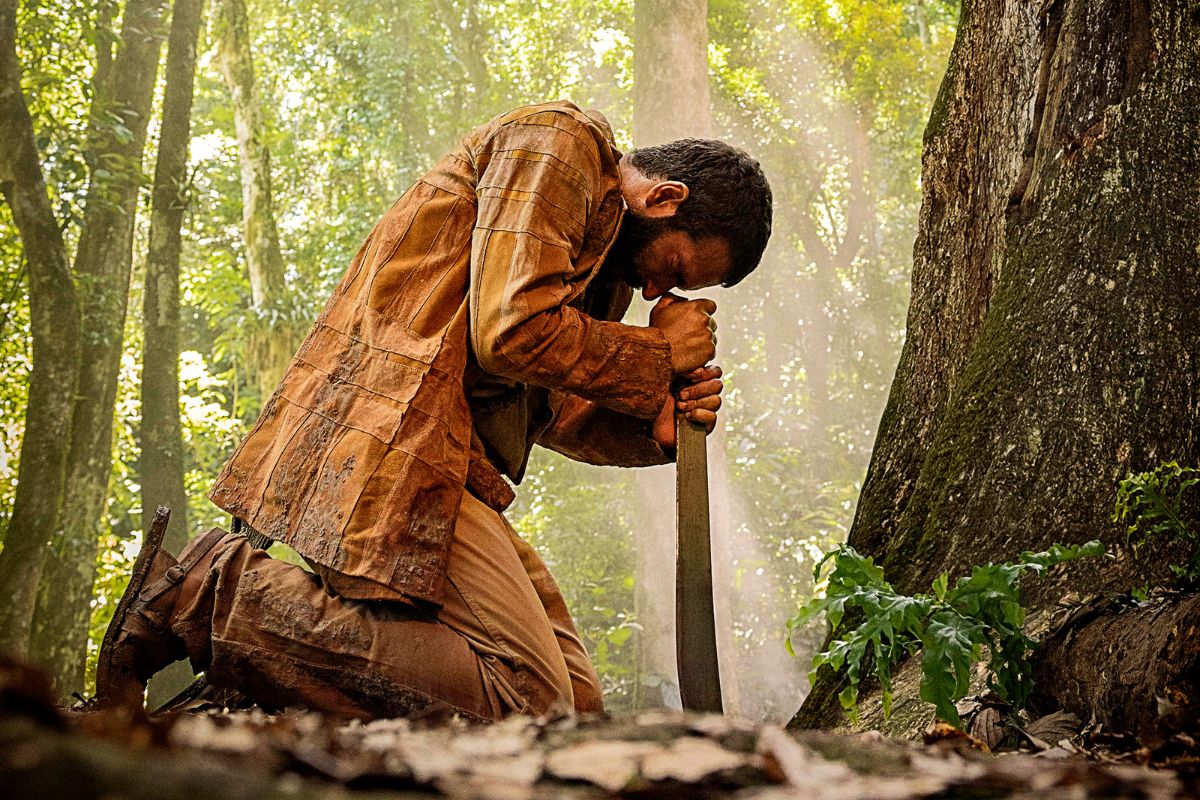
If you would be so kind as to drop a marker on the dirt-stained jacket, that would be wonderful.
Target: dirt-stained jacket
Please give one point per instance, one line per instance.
(468, 326)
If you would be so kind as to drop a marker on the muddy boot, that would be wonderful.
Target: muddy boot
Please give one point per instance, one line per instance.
(139, 641)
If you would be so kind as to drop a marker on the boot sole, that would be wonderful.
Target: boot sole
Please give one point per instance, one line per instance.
(137, 580)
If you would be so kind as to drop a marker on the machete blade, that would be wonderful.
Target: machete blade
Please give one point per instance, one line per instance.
(695, 620)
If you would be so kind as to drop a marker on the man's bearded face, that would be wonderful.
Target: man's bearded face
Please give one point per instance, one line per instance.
(652, 255)
(629, 250)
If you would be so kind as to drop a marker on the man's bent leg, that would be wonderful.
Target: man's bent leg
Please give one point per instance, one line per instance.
(585, 683)
(492, 601)
(269, 629)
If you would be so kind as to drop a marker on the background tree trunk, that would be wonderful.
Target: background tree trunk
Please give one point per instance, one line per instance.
(1056, 300)
(162, 462)
(670, 101)
(162, 449)
(264, 260)
(55, 332)
(119, 116)
(274, 339)
(671, 96)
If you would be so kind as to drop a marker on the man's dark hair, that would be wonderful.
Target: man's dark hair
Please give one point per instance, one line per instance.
(728, 196)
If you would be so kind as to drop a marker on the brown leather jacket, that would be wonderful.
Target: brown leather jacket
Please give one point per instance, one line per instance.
(469, 325)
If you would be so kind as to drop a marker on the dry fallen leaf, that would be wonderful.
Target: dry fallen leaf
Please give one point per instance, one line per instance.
(948, 737)
(987, 727)
(611, 765)
(1054, 727)
(690, 760)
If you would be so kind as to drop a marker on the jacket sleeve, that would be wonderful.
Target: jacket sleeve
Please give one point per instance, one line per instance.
(588, 432)
(539, 185)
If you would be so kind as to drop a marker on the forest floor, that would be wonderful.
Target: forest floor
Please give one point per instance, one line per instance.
(46, 753)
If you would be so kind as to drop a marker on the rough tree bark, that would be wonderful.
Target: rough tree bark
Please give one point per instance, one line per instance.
(1056, 297)
(54, 316)
(1149, 664)
(162, 461)
(270, 347)
(119, 115)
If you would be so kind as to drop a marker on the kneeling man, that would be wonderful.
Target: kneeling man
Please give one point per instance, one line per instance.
(480, 317)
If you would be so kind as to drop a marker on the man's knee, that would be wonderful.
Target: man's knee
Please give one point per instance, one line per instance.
(554, 700)
(588, 697)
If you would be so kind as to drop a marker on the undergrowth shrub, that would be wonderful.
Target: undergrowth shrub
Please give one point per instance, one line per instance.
(1151, 504)
(952, 626)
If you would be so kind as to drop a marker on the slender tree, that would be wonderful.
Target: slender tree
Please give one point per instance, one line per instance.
(468, 36)
(117, 135)
(162, 449)
(671, 97)
(1056, 303)
(273, 341)
(54, 315)
(670, 101)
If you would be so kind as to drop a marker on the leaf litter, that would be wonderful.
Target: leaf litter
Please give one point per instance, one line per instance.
(213, 752)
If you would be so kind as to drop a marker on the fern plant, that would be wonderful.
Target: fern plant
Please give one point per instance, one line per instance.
(1151, 505)
(951, 626)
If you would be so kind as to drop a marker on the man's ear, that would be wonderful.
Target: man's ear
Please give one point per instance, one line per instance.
(664, 197)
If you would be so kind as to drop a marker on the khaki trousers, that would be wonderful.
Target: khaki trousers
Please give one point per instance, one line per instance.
(502, 643)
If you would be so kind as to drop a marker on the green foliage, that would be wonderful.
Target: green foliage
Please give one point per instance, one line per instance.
(1151, 504)
(362, 96)
(952, 626)
(15, 351)
(114, 562)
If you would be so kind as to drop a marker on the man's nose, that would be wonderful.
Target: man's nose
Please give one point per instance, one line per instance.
(652, 291)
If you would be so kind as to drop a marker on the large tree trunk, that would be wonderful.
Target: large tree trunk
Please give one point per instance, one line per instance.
(1056, 300)
(54, 316)
(270, 346)
(102, 270)
(670, 101)
(162, 457)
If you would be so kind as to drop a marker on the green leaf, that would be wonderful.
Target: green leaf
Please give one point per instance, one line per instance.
(619, 636)
(835, 611)
(1060, 553)
(951, 645)
(940, 584)
(1151, 505)
(848, 697)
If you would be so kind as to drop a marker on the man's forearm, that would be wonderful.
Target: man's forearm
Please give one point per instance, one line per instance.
(588, 432)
